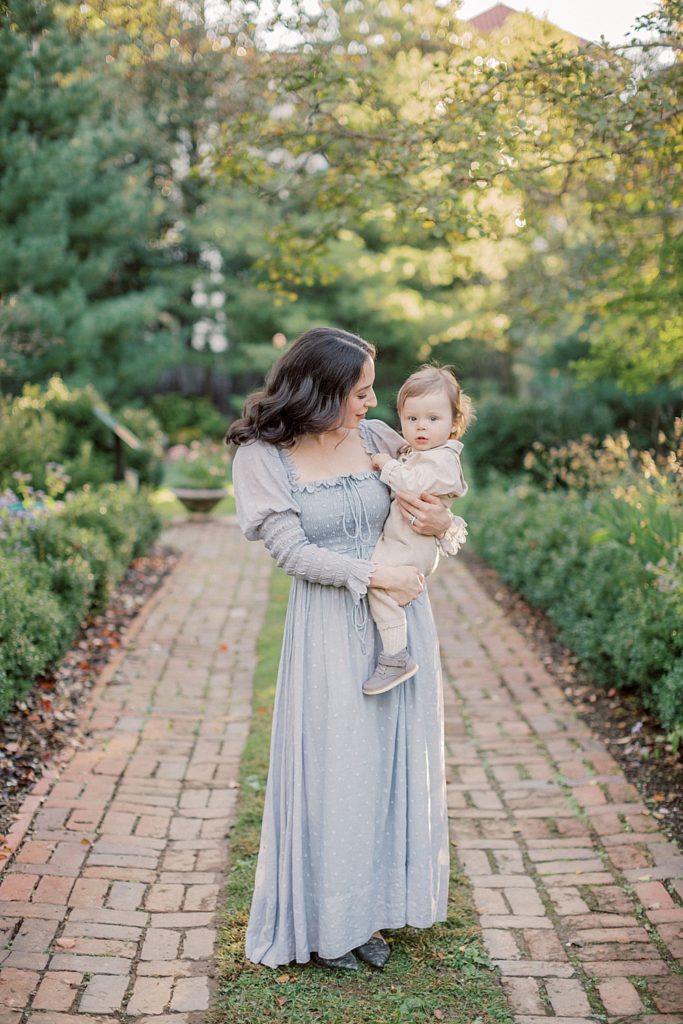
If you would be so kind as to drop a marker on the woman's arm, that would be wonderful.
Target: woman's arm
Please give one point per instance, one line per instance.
(285, 540)
(432, 519)
(268, 511)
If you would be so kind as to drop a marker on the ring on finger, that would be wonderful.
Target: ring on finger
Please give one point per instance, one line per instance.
(413, 520)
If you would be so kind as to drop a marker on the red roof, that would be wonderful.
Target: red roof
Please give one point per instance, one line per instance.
(494, 17)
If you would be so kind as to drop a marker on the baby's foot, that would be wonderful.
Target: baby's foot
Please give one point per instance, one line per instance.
(391, 670)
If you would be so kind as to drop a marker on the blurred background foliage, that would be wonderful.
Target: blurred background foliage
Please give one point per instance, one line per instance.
(185, 188)
(175, 194)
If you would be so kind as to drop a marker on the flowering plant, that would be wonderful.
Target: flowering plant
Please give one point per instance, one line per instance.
(201, 464)
(26, 503)
(636, 494)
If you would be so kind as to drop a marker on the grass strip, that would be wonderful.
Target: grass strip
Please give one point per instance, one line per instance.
(440, 973)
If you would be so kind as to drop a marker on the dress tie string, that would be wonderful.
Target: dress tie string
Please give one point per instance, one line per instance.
(357, 528)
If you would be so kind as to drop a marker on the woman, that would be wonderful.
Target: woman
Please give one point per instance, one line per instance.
(354, 834)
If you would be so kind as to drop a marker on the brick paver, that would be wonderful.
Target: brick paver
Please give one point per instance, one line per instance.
(579, 894)
(108, 908)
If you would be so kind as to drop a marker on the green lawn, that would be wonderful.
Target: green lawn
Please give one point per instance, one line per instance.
(438, 974)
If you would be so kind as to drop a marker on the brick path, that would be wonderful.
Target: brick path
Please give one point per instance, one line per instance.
(579, 895)
(107, 910)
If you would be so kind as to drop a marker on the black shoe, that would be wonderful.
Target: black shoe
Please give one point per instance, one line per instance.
(375, 952)
(347, 962)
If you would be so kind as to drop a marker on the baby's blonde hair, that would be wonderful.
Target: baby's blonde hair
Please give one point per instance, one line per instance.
(429, 379)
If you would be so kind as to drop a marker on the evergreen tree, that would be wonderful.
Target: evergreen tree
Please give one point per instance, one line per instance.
(183, 70)
(83, 288)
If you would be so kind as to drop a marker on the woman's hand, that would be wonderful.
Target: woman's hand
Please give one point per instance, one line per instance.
(431, 517)
(402, 582)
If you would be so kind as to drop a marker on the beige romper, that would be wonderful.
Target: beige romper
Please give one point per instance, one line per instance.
(436, 471)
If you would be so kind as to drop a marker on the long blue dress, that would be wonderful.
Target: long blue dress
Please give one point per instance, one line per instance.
(355, 828)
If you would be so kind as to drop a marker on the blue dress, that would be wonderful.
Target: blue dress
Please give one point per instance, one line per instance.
(355, 826)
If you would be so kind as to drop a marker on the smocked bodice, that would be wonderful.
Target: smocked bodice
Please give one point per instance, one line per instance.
(344, 513)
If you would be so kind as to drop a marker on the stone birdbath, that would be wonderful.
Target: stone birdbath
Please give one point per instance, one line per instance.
(199, 500)
(197, 474)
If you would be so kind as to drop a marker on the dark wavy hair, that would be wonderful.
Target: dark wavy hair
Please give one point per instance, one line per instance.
(305, 390)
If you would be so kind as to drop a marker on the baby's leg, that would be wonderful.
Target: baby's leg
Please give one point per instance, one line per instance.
(395, 664)
(389, 616)
(390, 620)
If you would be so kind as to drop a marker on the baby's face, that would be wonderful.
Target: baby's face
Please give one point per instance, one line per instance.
(427, 420)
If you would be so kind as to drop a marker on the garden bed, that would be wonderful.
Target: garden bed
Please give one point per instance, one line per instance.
(592, 533)
(46, 722)
(632, 735)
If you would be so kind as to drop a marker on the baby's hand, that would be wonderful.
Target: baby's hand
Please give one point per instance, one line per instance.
(380, 460)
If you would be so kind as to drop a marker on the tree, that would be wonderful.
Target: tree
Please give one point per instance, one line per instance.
(81, 277)
(603, 264)
(526, 157)
(177, 69)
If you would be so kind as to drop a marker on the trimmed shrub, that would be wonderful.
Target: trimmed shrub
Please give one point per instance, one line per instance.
(82, 565)
(670, 699)
(32, 626)
(186, 418)
(105, 567)
(47, 557)
(30, 437)
(128, 521)
(612, 608)
(58, 568)
(506, 429)
(58, 424)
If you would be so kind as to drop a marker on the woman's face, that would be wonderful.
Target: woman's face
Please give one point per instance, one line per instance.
(361, 398)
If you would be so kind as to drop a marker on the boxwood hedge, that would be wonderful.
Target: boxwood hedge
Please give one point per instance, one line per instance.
(57, 569)
(622, 619)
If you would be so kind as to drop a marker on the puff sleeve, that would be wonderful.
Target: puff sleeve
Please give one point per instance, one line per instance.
(261, 487)
(385, 437)
(268, 511)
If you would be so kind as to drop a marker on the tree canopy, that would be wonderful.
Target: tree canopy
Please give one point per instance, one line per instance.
(178, 185)
(540, 168)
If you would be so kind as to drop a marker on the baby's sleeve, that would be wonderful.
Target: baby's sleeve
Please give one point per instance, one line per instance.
(437, 471)
(268, 511)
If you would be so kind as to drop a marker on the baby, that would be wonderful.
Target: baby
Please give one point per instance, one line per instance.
(434, 412)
